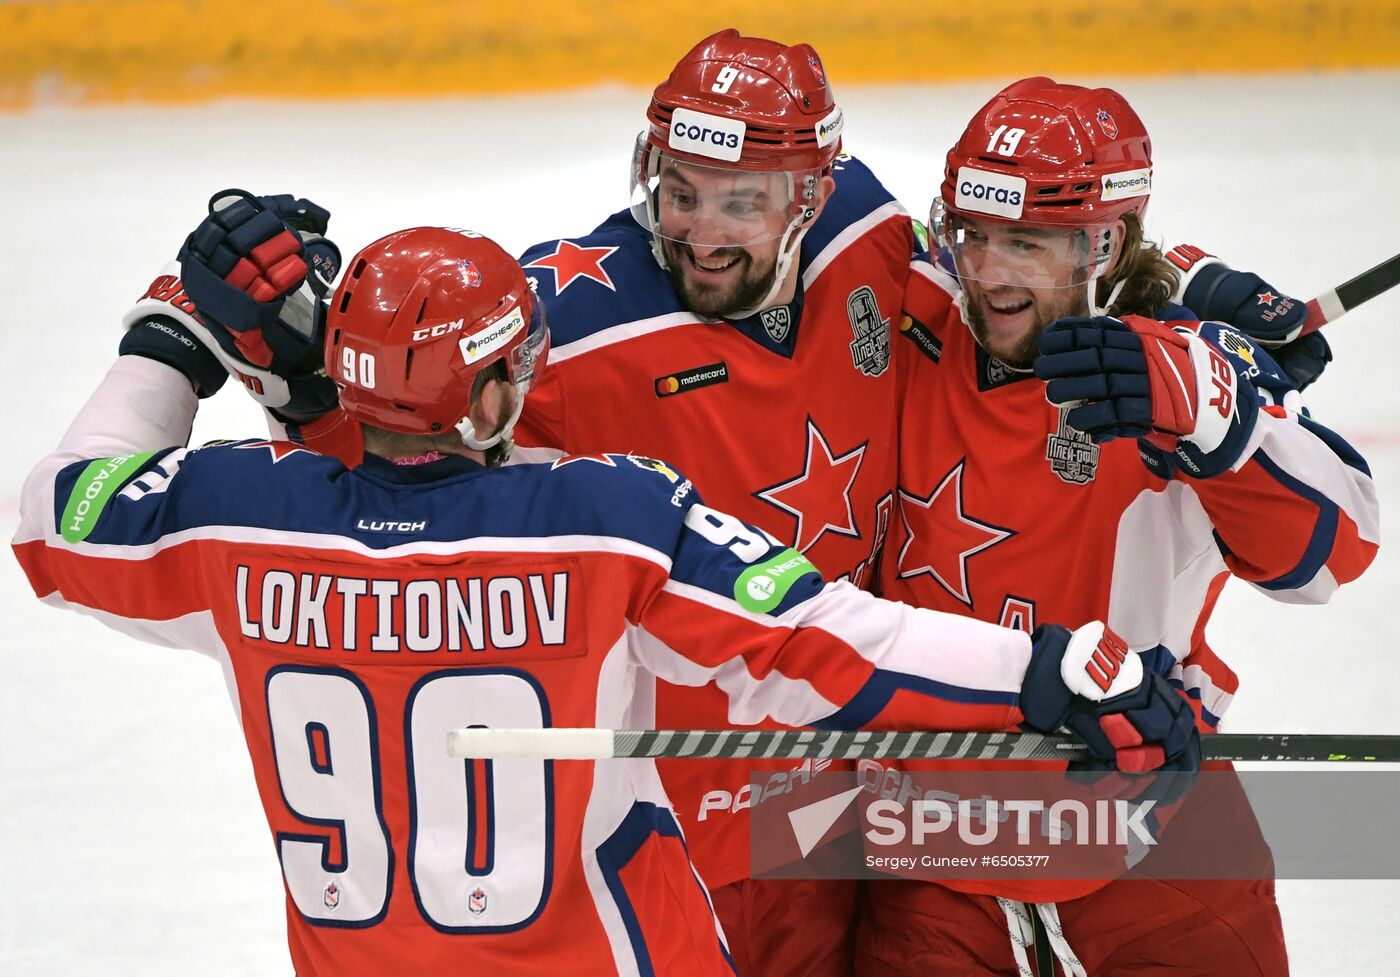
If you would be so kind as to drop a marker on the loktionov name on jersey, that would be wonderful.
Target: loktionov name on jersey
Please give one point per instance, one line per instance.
(330, 611)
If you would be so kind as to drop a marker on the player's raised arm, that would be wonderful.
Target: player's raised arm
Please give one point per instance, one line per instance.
(102, 496)
(758, 619)
(1292, 505)
(1213, 290)
(250, 288)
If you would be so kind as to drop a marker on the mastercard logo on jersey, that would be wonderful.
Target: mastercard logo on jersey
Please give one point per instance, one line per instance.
(692, 379)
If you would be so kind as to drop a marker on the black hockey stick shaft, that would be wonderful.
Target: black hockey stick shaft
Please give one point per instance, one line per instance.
(740, 744)
(1004, 746)
(1332, 304)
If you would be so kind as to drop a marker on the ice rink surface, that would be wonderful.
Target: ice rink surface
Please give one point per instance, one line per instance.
(131, 839)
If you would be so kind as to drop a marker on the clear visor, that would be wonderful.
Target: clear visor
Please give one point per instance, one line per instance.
(716, 206)
(527, 359)
(1022, 254)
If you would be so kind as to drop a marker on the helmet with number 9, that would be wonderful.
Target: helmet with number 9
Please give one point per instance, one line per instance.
(419, 315)
(748, 101)
(738, 142)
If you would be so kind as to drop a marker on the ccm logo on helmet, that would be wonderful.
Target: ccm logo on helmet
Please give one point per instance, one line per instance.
(707, 135)
(990, 193)
(441, 329)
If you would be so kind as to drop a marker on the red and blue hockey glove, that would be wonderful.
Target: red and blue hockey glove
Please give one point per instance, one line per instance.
(1213, 290)
(1132, 720)
(1139, 378)
(257, 269)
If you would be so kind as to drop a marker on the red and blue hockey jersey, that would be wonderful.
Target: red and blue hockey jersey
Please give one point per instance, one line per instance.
(787, 418)
(1007, 514)
(360, 614)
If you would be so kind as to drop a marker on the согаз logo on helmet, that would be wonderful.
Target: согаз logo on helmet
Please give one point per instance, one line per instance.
(985, 192)
(707, 135)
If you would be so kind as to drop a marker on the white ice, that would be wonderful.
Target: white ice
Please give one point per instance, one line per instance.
(131, 839)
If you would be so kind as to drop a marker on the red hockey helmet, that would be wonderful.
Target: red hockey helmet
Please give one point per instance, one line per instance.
(747, 101)
(417, 317)
(739, 138)
(1077, 155)
(1048, 155)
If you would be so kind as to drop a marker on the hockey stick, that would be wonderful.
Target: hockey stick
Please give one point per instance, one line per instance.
(1335, 302)
(739, 744)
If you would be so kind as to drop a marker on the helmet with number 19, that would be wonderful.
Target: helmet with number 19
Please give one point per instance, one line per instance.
(1033, 203)
(732, 169)
(420, 320)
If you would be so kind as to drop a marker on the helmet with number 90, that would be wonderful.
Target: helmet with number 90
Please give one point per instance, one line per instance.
(739, 139)
(419, 315)
(1063, 163)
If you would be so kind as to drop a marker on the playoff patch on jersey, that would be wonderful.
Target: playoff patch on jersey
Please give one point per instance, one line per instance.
(1072, 454)
(870, 351)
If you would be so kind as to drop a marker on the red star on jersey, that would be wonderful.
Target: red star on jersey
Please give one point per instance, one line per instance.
(596, 459)
(820, 497)
(570, 262)
(947, 536)
(1267, 298)
(279, 449)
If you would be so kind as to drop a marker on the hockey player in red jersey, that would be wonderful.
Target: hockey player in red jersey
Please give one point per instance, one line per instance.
(360, 614)
(1067, 455)
(736, 321)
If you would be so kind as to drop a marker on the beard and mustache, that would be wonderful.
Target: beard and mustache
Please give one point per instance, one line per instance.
(1020, 353)
(741, 293)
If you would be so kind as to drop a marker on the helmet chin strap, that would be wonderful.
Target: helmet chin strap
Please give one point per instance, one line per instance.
(788, 247)
(1093, 286)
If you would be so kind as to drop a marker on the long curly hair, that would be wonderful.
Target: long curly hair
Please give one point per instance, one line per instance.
(1150, 279)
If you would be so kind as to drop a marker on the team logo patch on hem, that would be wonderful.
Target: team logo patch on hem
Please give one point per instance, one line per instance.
(761, 588)
(95, 487)
(692, 379)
